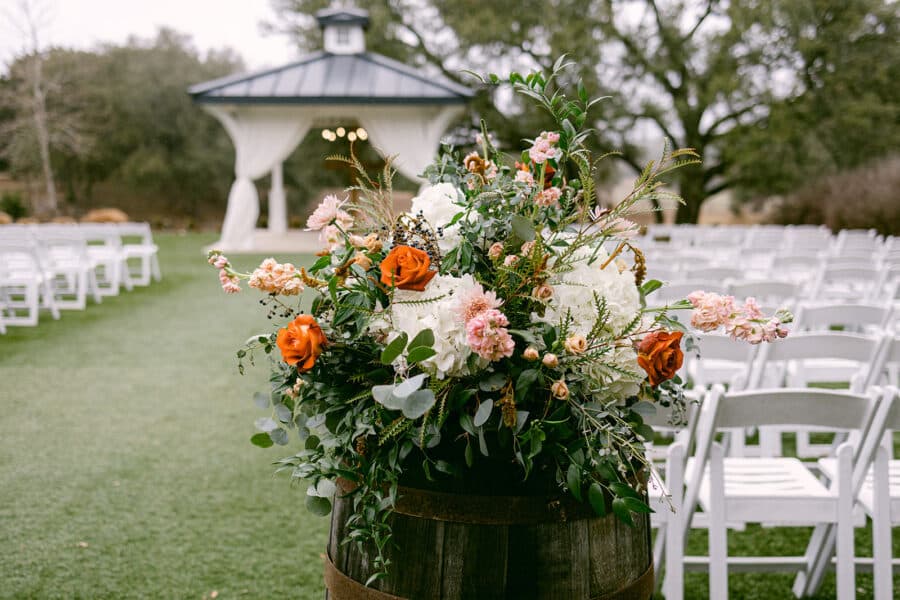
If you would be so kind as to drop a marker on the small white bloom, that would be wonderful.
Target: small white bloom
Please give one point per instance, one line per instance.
(438, 205)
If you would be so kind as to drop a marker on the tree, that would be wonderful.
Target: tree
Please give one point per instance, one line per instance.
(29, 90)
(702, 73)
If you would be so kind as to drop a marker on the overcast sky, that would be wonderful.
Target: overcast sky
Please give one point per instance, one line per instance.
(211, 23)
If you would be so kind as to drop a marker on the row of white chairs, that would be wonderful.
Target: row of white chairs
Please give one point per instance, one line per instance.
(780, 491)
(58, 266)
(790, 238)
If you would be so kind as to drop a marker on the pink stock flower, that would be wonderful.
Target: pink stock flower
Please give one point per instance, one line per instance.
(276, 278)
(229, 283)
(711, 311)
(746, 323)
(328, 212)
(524, 177)
(488, 337)
(476, 301)
(542, 149)
(548, 197)
(495, 251)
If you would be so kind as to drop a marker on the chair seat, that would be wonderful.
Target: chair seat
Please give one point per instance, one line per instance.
(754, 485)
(136, 251)
(866, 492)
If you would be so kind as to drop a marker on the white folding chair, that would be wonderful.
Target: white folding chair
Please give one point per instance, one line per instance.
(775, 490)
(665, 498)
(849, 283)
(69, 270)
(879, 496)
(24, 286)
(105, 251)
(862, 318)
(137, 245)
(805, 358)
(766, 291)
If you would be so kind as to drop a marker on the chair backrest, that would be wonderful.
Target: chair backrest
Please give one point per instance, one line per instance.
(678, 290)
(861, 349)
(824, 410)
(713, 273)
(106, 234)
(135, 230)
(859, 282)
(812, 317)
(721, 360)
(767, 291)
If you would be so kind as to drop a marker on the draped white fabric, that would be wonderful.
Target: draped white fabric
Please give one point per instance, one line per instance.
(410, 133)
(262, 139)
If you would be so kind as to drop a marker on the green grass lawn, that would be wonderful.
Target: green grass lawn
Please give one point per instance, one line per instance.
(126, 469)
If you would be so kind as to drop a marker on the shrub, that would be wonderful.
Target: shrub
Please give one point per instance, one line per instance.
(12, 204)
(867, 197)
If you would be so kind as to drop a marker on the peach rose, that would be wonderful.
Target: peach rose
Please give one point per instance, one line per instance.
(301, 342)
(660, 355)
(407, 268)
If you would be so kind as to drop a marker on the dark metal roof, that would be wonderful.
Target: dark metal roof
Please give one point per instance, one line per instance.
(324, 78)
(343, 16)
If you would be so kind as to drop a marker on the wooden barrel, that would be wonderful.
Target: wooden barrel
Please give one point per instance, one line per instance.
(463, 547)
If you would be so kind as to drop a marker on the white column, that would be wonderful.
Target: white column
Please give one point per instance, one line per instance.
(277, 202)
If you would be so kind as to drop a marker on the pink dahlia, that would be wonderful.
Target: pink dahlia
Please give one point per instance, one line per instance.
(328, 212)
(476, 301)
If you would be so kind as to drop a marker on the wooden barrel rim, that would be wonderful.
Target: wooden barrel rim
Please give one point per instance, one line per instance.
(484, 510)
(342, 587)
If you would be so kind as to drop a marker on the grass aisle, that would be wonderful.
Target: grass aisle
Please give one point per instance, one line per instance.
(125, 465)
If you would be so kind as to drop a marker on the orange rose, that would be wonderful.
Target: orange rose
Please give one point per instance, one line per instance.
(406, 268)
(660, 355)
(301, 342)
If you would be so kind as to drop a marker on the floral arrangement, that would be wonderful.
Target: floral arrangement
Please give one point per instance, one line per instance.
(494, 338)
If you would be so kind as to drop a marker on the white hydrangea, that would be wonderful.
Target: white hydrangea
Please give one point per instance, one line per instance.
(573, 294)
(438, 205)
(441, 317)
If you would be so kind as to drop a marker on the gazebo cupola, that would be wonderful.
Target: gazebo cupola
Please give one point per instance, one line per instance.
(342, 30)
(267, 114)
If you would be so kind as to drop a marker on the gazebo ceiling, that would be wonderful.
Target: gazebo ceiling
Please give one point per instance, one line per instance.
(326, 78)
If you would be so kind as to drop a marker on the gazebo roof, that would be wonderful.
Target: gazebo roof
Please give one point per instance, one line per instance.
(326, 78)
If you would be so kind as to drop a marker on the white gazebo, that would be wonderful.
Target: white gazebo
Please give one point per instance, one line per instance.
(268, 113)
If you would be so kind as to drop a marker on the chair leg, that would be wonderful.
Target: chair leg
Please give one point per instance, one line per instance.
(846, 567)
(157, 275)
(718, 534)
(817, 556)
(881, 527)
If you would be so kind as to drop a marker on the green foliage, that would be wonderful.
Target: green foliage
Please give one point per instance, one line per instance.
(771, 93)
(12, 204)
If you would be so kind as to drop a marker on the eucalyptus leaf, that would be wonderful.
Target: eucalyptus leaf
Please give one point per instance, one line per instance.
(279, 436)
(644, 408)
(266, 424)
(483, 413)
(261, 399)
(493, 383)
(318, 506)
(597, 500)
(423, 338)
(262, 440)
(523, 228)
(407, 387)
(393, 350)
(417, 355)
(284, 414)
(418, 403)
(573, 481)
(521, 418)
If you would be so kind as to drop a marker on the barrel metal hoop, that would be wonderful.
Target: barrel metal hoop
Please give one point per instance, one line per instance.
(639, 589)
(341, 587)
